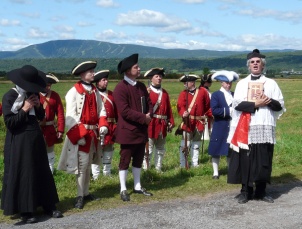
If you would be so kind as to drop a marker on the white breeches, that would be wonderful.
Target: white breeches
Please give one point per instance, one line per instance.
(156, 148)
(83, 177)
(193, 143)
(106, 161)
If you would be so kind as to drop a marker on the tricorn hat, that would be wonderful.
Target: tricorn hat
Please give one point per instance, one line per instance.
(51, 78)
(255, 53)
(127, 63)
(100, 75)
(83, 67)
(28, 78)
(225, 76)
(207, 78)
(188, 78)
(155, 71)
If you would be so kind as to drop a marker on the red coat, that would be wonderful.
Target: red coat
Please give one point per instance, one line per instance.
(158, 125)
(54, 112)
(84, 108)
(111, 115)
(200, 108)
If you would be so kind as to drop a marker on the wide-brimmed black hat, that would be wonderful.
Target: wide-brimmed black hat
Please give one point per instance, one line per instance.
(255, 53)
(188, 78)
(127, 63)
(83, 67)
(28, 78)
(100, 75)
(51, 78)
(155, 71)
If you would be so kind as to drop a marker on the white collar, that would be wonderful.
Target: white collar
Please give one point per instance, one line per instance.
(130, 81)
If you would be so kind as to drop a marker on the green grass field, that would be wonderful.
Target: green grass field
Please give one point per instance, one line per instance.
(175, 182)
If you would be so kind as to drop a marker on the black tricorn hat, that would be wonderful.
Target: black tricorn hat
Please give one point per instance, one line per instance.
(51, 78)
(83, 67)
(155, 71)
(28, 78)
(100, 75)
(255, 53)
(127, 63)
(207, 78)
(188, 78)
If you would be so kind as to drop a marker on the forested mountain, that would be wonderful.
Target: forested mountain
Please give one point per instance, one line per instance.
(62, 55)
(99, 49)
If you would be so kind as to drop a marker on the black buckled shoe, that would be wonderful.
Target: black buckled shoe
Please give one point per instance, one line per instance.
(91, 197)
(142, 191)
(28, 218)
(55, 214)
(243, 198)
(266, 198)
(79, 202)
(125, 196)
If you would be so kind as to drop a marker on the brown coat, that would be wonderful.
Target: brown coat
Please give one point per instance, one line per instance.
(131, 127)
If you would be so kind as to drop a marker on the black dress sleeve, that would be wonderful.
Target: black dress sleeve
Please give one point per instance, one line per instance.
(275, 105)
(246, 106)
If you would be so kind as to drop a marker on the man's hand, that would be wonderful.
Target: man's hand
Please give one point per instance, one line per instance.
(148, 119)
(30, 102)
(59, 135)
(262, 100)
(103, 130)
(185, 114)
(82, 142)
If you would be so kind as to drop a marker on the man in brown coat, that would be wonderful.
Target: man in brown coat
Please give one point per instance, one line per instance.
(134, 114)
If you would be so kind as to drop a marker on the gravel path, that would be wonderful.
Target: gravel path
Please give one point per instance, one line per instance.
(216, 211)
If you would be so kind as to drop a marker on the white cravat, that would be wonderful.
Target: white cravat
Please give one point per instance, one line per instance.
(130, 81)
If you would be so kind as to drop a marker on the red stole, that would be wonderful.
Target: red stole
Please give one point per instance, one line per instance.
(240, 137)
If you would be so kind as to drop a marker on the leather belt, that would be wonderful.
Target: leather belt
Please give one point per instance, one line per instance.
(160, 116)
(110, 119)
(49, 123)
(198, 117)
(90, 127)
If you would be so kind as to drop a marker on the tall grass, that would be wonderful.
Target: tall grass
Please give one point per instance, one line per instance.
(175, 182)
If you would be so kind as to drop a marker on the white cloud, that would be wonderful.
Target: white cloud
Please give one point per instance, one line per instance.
(85, 24)
(106, 3)
(13, 44)
(292, 16)
(19, 1)
(149, 18)
(66, 36)
(31, 15)
(64, 29)
(37, 33)
(109, 35)
(198, 31)
(191, 1)
(6, 22)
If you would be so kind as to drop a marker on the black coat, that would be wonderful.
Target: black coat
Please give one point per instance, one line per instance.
(27, 182)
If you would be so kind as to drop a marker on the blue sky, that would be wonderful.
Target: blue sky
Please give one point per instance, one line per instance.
(233, 25)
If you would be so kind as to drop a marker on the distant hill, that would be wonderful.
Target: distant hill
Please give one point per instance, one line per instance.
(62, 55)
(99, 49)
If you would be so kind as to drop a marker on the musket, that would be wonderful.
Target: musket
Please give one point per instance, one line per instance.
(185, 149)
(147, 143)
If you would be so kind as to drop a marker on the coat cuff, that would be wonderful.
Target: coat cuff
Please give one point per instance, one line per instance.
(76, 133)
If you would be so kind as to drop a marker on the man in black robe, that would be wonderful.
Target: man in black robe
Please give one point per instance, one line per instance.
(28, 182)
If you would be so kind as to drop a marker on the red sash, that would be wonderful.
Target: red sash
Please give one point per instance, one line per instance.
(240, 137)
